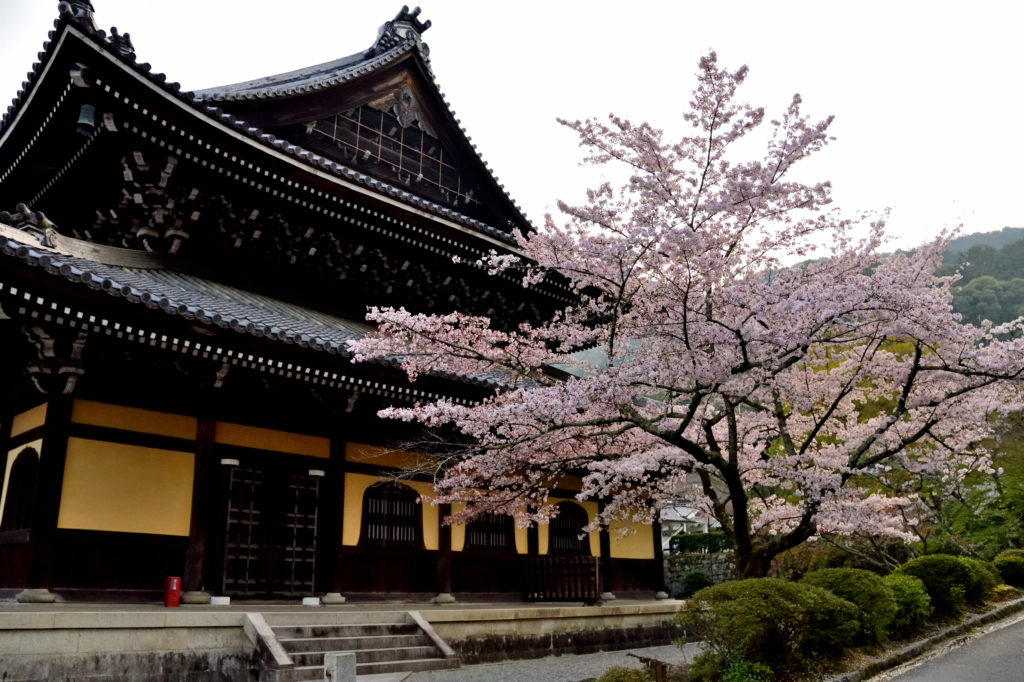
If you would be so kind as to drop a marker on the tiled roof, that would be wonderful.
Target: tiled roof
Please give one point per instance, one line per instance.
(389, 47)
(305, 80)
(119, 44)
(147, 279)
(193, 298)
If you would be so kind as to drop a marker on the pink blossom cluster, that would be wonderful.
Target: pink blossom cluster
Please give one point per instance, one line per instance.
(784, 397)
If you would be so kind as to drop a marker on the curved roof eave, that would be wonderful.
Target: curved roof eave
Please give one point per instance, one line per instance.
(66, 24)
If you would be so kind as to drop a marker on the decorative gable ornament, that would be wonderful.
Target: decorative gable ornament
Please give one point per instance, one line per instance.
(406, 26)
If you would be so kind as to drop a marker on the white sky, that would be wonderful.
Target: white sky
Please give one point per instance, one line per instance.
(927, 95)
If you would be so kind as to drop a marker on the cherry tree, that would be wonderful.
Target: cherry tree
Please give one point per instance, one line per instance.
(700, 362)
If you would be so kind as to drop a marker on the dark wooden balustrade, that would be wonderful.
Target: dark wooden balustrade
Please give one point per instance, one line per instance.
(563, 578)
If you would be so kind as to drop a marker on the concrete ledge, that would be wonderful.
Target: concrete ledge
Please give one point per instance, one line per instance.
(486, 635)
(112, 619)
(465, 623)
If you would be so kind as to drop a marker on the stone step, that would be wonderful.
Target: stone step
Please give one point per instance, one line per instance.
(314, 617)
(355, 643)
(314, 630)
(396, 654)
(412, 665)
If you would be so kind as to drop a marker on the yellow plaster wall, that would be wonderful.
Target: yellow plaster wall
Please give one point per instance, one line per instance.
(272, 439)
(28, 420)
(638, 543)
(398, 459)
(522, 541)
(595, 536)
(126, 488)
(356, 485)
(458, 529)
(10, 456)
(133, 419)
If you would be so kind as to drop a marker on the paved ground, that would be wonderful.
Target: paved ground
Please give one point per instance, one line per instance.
(996, 655)
(568, 668)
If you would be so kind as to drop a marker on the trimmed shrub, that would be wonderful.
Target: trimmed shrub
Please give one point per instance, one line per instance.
(945, 578)
(913, 605)
(745, 671)
(621, 673)
(695, 581)
(1011, 568)
(1004, 593)
(868, 592)
(1011, 552)
(982, 578)
(784, 626)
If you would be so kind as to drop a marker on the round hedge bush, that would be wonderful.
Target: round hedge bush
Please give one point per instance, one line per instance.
(982, 578)
(1011, 552)
(1011, 568)
(944, 577)
(913, 605)
(867, 591)
(775, 623)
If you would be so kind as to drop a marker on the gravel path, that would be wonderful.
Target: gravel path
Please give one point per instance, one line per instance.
(567, 668)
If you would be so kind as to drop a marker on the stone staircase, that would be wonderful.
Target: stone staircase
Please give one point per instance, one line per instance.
(383, 642)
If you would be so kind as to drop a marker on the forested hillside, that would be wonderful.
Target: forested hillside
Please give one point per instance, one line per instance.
(996, 240)
(992, 267)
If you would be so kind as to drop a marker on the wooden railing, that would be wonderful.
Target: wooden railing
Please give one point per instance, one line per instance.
(563, 578)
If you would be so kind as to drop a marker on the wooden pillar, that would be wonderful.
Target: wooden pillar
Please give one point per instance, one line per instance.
(444, 557)
(332, 513)
(204, 515)
(659, 561)
(533, 540)
(606, 559)
(49, 484)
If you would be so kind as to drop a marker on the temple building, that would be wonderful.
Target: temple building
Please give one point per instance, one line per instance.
(179, 275)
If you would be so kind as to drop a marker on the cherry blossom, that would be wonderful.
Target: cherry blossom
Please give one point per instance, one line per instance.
(777, 397)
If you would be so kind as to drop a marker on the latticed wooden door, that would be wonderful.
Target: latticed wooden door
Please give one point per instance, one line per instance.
(271, 533)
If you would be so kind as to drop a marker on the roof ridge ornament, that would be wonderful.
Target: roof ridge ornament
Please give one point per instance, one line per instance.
(31, 222)
(79, 11)
(405, 27)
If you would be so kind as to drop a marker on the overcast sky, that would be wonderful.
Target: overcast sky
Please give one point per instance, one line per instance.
(927, 95)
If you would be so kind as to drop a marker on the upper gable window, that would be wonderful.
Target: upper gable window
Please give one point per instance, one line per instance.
(405, 155)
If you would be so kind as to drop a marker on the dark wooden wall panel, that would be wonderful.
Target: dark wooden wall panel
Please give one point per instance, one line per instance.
(383, 570)
(488, 571)
(127, 561)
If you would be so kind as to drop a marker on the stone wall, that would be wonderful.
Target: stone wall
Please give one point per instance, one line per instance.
(486, 635)
(716, 566)
(113, 645)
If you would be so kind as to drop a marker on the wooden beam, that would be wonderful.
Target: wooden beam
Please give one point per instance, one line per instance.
(49, 486)
(204, 514)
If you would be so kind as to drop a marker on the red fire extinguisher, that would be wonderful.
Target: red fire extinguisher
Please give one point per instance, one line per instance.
(172, 592)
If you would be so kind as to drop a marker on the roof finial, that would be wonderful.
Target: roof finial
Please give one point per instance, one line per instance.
(404, 27)
(80, 11)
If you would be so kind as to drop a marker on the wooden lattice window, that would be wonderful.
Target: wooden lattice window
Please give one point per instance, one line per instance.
(565, 532)
(392, 517)
(21, 491)
(490, 532)
(413, 157)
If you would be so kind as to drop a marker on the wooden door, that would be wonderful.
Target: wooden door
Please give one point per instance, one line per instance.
(270, 548)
